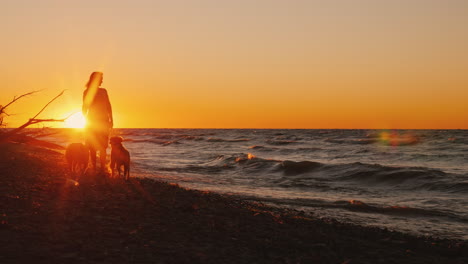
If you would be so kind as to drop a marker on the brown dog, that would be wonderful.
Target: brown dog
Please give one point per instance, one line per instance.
(119, 157)
(77, 156)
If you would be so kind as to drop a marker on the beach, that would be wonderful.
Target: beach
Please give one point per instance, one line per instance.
(47, 218)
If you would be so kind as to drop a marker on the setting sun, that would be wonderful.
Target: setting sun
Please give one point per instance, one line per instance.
(76, 120)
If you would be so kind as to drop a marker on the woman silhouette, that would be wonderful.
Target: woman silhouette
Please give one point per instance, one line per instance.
(98, 112)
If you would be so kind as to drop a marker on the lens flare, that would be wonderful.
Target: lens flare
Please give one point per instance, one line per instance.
(394, 138)
(76, 120)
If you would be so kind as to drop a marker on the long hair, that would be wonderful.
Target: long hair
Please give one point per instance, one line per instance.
(94, 79)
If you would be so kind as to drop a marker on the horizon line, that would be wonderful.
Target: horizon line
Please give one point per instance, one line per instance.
(248, 128)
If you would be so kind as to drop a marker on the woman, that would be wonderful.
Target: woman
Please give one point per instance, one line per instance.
(98, 112)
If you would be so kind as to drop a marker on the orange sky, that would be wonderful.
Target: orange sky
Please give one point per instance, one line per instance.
(242, 64)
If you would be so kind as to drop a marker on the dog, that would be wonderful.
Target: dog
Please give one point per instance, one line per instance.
(77, 156)
(119, 157)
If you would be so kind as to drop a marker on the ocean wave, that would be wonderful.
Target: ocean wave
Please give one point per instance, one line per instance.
(351, 141)
(299, 150)
(265, 148)
(280, 142)
(363, 207)
(288, 137)
(124, 133)
(285, 150)
(227, 140)
(294, 168)
(407, 178)
(190, 137)
(154, 141)
(391, 141)
(359, 206)
(164, 136)
(378, 174)
(443, 186)
(322, 176)
(257, 147)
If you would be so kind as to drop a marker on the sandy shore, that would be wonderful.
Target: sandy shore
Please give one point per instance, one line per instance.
(45, 218)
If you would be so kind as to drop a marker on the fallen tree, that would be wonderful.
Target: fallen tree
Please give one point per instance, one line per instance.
(34, 120)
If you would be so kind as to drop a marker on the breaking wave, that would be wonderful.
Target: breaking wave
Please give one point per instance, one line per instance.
(313, 174)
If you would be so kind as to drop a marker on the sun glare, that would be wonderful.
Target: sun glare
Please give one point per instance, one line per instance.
(76, 120)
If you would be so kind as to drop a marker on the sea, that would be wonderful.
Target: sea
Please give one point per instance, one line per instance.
(412, 181)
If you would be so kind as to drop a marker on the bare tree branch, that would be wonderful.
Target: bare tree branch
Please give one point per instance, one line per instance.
(33, 120)
(60, 94)
(15, 98)
(70, 115)
(2, 109)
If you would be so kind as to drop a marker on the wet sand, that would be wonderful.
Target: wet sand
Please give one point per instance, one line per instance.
(47, 218)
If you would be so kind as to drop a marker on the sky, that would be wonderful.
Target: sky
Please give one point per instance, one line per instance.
(241, 64)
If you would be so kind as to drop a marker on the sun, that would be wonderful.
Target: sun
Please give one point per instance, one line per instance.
(76, 120)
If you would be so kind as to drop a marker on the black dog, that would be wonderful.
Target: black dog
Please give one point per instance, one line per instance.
(119, 157)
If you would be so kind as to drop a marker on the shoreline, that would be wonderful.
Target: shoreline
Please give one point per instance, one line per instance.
(46, 218)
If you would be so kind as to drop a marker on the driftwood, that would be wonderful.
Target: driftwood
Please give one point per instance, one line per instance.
(2, 108)
(31, 121)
